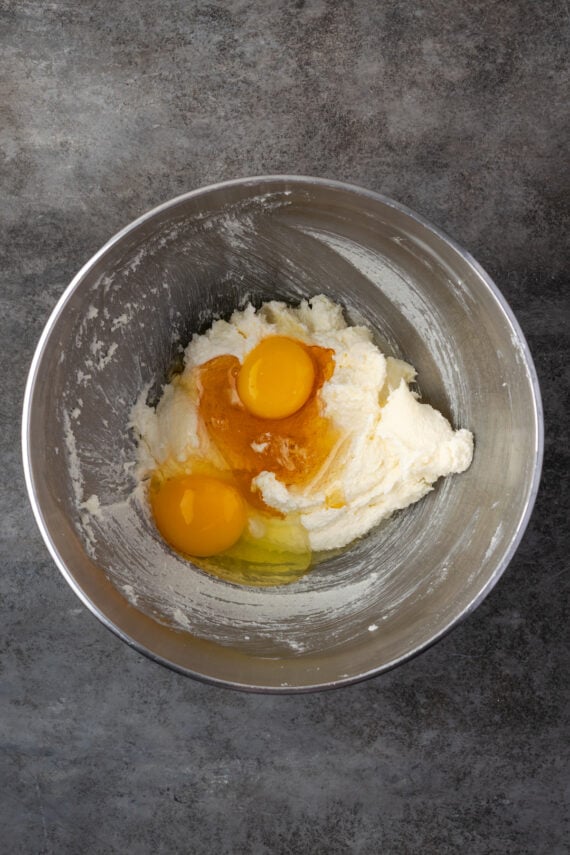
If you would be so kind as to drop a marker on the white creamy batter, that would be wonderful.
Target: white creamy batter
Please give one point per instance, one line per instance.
(391, 450)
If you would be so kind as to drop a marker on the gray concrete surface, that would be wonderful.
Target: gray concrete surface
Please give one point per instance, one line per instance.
(456, 109)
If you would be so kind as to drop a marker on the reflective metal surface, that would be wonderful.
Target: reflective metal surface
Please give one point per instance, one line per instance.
(116, 331)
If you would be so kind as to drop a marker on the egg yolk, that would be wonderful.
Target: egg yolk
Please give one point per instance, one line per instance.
(276, 378)
(264, 415)
(197, 514)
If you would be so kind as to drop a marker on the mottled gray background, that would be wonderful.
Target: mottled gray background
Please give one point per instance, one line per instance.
(456, 109)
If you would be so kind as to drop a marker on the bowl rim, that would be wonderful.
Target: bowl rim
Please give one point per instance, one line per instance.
(254, 181)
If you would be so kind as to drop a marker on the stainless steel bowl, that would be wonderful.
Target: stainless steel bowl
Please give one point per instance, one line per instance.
(116, 331)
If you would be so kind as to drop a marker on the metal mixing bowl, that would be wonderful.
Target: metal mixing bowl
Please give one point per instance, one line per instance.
(116, 331)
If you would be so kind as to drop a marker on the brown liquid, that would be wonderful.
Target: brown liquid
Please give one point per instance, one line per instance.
(294, 448)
